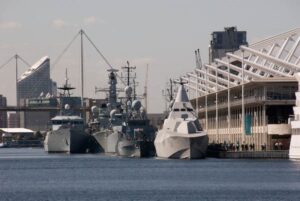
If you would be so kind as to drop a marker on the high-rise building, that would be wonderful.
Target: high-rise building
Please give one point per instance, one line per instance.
(35, 81)
(3, 114)
(225, 41)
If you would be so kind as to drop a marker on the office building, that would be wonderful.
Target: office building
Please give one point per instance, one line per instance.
(3, 114)
(225, 41)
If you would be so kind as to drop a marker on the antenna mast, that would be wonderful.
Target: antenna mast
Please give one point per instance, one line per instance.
(146, 88)
(81, 66)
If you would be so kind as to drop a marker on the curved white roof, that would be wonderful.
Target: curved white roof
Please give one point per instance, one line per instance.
(276, 56)
(34, 68)
(16, 130)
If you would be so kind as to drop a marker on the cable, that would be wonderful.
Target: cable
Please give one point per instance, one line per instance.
(25, 62)
(7, 62)
(102, 56)
(63, 52)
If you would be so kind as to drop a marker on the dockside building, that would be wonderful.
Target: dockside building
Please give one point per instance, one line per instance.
(247, 96)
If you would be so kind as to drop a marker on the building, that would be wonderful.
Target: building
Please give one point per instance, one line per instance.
(225, 41)
(12, 120)
(15, 134)
(268, 107)
(3, 114)
(39, 121)
(34, 83)
(247, 96)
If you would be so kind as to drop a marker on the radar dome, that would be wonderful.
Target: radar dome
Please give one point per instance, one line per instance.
(142, 111)
(67, 107)
(136, 105)
(112, 113)
(128, 90)
(94, 109)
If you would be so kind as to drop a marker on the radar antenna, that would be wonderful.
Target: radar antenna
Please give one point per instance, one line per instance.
(66, 87)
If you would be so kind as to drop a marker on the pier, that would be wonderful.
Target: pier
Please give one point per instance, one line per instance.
(272, 154)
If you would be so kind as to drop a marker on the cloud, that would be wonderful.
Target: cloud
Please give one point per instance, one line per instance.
(58, 23)
(90, 20)
(93, 20)
(10, 25)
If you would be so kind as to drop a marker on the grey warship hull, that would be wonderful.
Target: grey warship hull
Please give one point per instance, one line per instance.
(66, 140)
(181, 147)
(129, 148)
(107, 141)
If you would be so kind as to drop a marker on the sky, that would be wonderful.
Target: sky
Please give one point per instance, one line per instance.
(161, 33)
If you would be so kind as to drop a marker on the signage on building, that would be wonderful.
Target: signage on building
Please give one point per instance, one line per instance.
(248, 123)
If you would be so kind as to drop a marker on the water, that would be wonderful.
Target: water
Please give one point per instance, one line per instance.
(31, 174)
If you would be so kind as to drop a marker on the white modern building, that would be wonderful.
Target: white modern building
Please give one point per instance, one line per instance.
(294, 151)
(247, 96)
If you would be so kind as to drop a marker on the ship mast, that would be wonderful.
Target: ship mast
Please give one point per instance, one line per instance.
(81, 67)
(128, 69)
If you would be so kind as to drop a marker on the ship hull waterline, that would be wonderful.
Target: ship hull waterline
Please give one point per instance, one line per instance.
(132, 148)
(107, 141)
(181, 146)
(66, 140)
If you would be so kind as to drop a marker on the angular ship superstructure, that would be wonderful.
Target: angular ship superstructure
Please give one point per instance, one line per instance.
(67, 134)
(294, 152)
(181, 136)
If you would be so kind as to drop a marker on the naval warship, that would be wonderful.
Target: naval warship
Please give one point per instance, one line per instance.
(136, 136)
(122, 127)
(181, 136)
(67, 134)
(107, 119)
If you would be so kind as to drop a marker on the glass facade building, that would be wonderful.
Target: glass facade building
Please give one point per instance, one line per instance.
(35, 81)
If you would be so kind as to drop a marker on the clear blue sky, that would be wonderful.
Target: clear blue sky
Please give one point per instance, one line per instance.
(162, 33)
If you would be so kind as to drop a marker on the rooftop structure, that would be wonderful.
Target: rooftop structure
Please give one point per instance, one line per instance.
(225, 41)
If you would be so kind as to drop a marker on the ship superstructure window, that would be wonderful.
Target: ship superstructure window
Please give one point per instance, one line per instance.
(183, 110)
(176, 110)
(197, 125)
(60, 122)
(190, 109)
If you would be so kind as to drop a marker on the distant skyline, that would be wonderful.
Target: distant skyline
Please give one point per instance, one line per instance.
(163, 34)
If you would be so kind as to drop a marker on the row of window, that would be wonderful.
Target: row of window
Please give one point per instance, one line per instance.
(182, 109)
(60, 122)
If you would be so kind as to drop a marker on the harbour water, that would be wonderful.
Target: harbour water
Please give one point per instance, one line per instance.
(31, 174)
